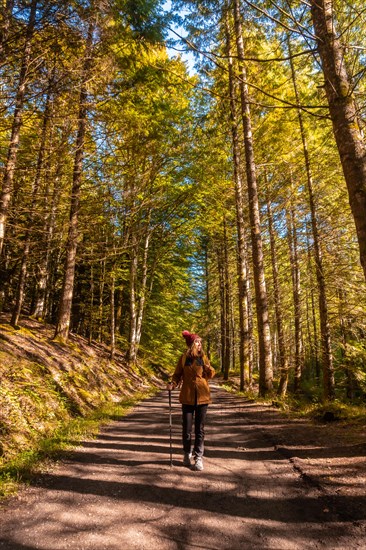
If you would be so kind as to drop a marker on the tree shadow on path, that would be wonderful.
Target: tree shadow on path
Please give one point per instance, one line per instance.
(249, 495)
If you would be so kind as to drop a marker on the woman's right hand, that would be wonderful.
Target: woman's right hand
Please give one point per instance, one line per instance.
(169, 386)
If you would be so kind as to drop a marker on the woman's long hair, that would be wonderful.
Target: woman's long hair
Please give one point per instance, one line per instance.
(193, 351)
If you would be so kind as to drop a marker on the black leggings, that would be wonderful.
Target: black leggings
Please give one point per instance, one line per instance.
(199, 413)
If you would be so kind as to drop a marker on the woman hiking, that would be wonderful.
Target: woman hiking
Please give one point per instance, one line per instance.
(193, 371)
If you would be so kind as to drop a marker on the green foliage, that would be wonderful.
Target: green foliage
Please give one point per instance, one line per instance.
(157, 184)
(146, 19)
(354, 362)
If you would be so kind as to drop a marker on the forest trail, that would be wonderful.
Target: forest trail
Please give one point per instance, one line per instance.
(119, 492)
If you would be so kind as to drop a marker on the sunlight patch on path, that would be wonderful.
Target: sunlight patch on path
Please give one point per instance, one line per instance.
(119, 492)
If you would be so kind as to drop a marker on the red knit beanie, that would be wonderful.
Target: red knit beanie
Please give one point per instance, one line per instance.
(189, 337)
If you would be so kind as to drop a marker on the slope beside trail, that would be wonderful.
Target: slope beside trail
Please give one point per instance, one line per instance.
(119, 491)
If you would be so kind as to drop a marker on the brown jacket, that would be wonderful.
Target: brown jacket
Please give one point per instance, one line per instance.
(194, 378)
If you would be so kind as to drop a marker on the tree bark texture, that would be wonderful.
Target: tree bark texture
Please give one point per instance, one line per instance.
(132, 352)
(113, 318)
(139, 288)
(313, 319)
(64, 314)
(283, 357)
(9, 170)
(143, 294)
(102, 282)
(296, 294)
(240, 223)
(264, 333)
(8, 6)
(327, 358)
(221, 272)
(43, 268)
(344, 115)
(227, 304)
(32, 214)
(91, 304)
(208, 298)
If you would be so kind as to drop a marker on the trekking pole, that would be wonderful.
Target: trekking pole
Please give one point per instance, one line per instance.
(170, 427)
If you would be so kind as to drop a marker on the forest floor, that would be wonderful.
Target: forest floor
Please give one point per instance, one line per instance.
(269, 482)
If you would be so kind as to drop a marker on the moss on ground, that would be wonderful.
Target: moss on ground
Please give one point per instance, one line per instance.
(52, 393)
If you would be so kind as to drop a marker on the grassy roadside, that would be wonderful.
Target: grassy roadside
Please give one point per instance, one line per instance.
(55, 394)
(299, 407)
(20, 470)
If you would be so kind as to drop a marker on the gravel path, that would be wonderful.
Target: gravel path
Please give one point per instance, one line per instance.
(119, 492)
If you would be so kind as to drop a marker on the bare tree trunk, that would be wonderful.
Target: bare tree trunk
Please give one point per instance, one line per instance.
(221, 272)
(9, 169)
(143, 288)
(227, 305)
(101, 297)
(46, 245)
(264, 333)
(132, 354)
(32, 216)
(350, 386)
(242, 259)
(250, 327)
(208, 299)
(232, 329)
(64, 314)
(113, 319)
(91, 306)
(43, 268)
(328, 369)
(118, 300)
(138, 291)
(315, 330)
(299, 347)
(8, 6)
(345, 119)
(283, 358)
(296, 294)
(315, 354)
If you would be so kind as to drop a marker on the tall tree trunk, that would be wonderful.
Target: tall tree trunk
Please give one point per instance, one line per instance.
(328, 369)
(264, 333)
(299, 348)
(139, 291)
(46, 245)
(32, 216)
(8, 6)
(91, 306)
(113, 318)
(143, 288)
(283, 358)
(250, 327)
(233, 346)
(132, 354)
(227, 305)
(344, 115)
(119, 305)
(315, 354)
(9, 169)
(221, 272)
(242, 259)
(296, 294)
(102, 282)
(64, 314)
(208, 299)
(43, 268)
